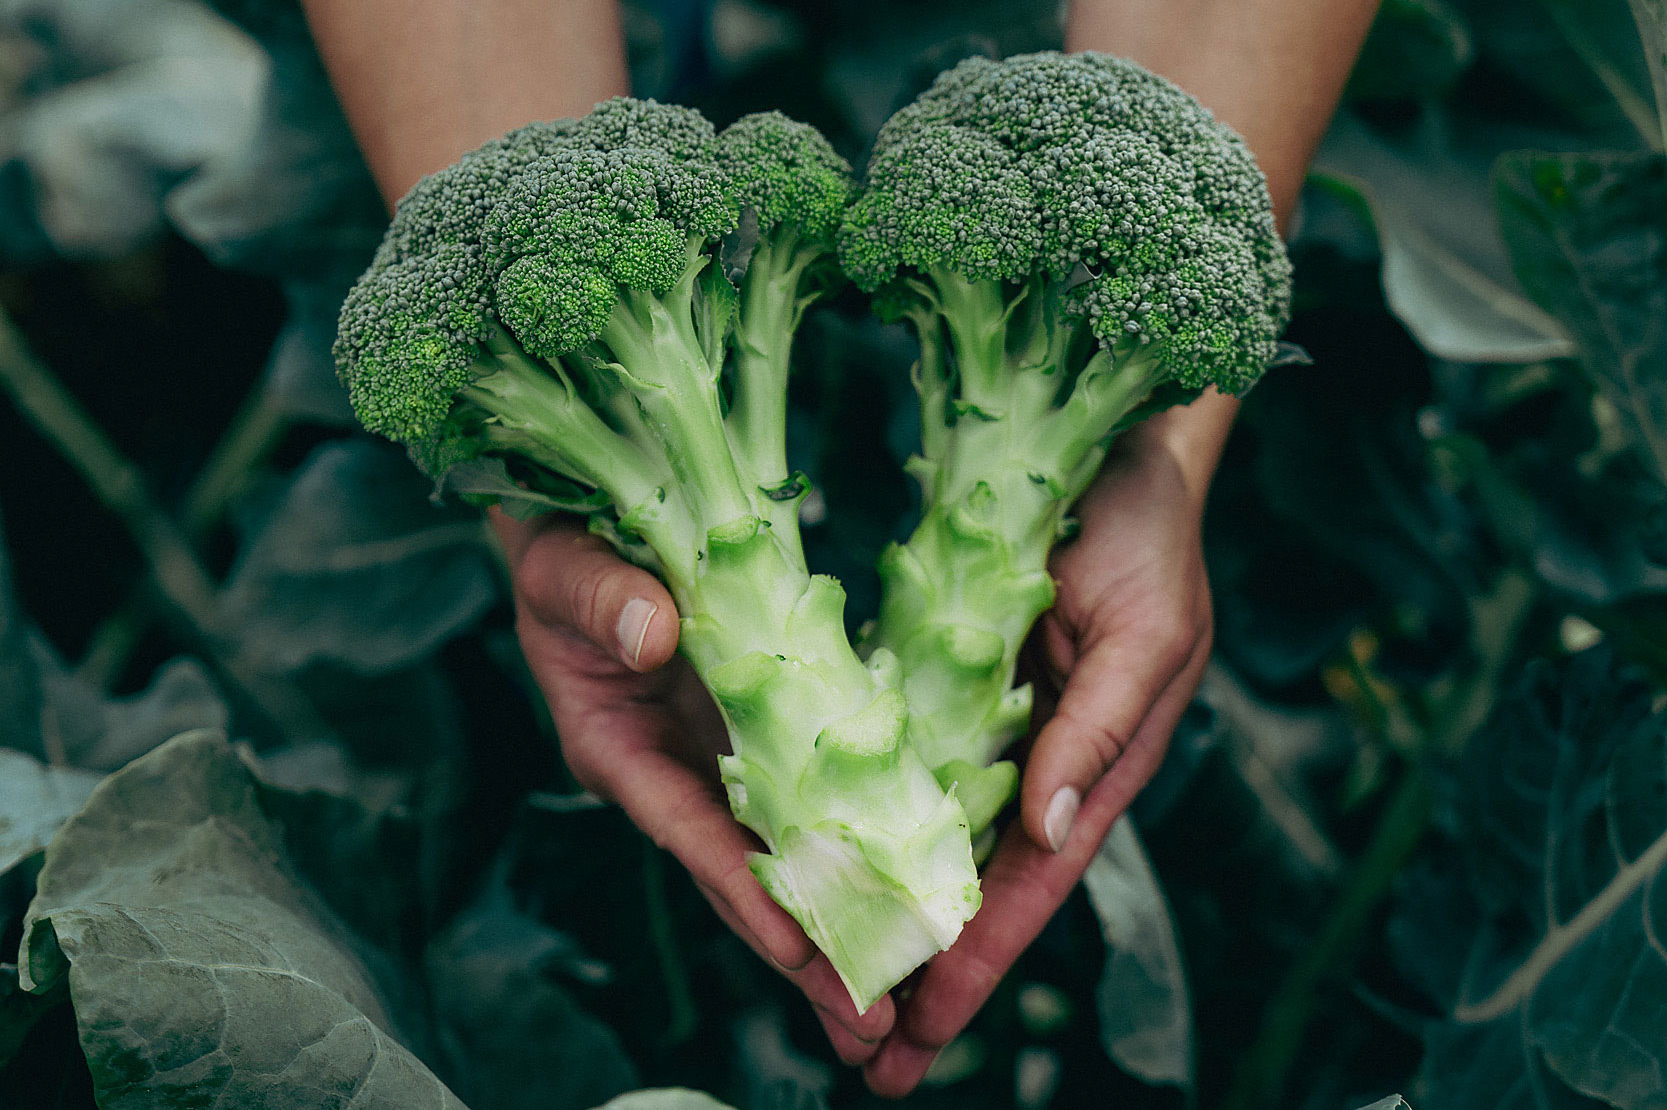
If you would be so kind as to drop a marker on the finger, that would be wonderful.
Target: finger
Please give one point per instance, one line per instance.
(851, 1049)
(1107, 698)
(569, 579)
(1023, 885)
(821, 985)
(677, 809)
(898, 1067)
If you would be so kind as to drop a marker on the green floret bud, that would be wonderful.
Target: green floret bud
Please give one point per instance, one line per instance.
(650, 254)
(943, 197)
(407, 337)
(681, 134)
(1078, 243)
(787, 173)
(449, 207)
(631, 211)
(553, 308)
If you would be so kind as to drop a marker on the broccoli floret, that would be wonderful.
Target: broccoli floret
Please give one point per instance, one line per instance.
(605, 307)
(1078, 243)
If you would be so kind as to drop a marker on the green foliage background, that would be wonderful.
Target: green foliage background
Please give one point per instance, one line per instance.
(282, 822)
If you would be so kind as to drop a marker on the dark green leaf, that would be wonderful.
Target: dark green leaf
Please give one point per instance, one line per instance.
(98, 732)
(1555, 896)
(356, 566)
(515, 1037)
(1599, 538)
(1417, 49)
(1588, 240)
(202, 972)
(56, 715)
(1445, 274)
(34, 800)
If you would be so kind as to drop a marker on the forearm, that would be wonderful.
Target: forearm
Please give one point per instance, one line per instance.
(1270, 69)
(423, 83)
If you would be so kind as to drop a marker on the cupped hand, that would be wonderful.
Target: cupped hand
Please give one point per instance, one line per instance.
(1125, 647)
(639, 730)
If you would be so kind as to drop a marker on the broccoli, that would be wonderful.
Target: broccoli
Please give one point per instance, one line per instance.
(1077, 244)
(600, 313)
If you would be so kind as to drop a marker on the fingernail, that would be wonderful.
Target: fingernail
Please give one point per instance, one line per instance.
(1062, 811)
(634, 620)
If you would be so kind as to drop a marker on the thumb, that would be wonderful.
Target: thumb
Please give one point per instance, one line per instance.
(572, 581)
(1120, 703)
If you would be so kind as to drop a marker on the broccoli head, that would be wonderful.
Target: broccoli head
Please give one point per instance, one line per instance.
(598, 314)
(1077, 243)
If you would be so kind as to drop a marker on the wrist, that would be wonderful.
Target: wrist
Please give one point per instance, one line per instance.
(1190, 439)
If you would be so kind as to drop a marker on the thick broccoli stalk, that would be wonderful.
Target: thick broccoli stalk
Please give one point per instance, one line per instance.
(1077, 243)
(559, 304)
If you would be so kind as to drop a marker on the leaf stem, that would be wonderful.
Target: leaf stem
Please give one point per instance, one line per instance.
(188, 592)
(1560, 938)
(679, 997)
(115, 480)
(1497, 620)
(254, 432)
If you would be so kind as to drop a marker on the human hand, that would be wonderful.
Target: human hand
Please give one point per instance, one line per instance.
(1124, 646)
(638, 729)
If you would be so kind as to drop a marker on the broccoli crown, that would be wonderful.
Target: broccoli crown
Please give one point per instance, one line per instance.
(1094, 173)
(407, 338)
(543, 230)
(787, 173)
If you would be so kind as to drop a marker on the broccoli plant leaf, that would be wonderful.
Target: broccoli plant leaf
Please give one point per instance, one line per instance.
(356, 566)
(1416, 48)
(665, 1098)
(34, 800)
(54, 714)
(514, 1036)
(1554, 976)
(1145, 1014)
(1651, 16)
(1588, 240)
(1445, 275)
(201, 970)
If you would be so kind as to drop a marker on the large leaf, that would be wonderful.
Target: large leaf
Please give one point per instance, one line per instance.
(1651, 17)
(49, 711)
(355, 565)
(1145, 1011)
(1445, 275)
(665, 1098)
(1334, 515)
(34, 800)
(1588, 240)
(202, 971)
(1539, 930)
(514, 1035)
(1417, 48)
(1598, 537)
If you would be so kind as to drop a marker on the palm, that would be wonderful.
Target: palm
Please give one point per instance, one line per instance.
(645, 735)
(1117, 659)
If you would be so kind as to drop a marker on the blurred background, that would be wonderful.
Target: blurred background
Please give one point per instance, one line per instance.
(1410, 837)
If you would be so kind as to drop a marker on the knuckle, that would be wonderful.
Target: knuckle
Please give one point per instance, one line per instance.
(1107, 739)
(585, 597)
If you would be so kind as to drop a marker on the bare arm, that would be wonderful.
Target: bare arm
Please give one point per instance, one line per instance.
(1130, 633)
(1270, 69)
(423, 83)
